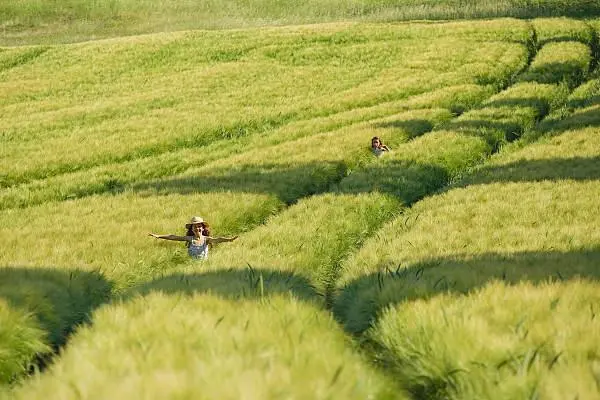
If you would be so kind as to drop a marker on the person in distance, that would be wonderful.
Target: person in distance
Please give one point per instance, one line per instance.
(377, 146)
(197, 238)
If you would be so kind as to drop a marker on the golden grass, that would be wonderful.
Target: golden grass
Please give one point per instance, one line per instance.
(40, 307)
(562, 30)
(567, 62)
(210, 348)
(526, 218)
(150, 119)
(124, 99)
(308, 240)
(30, 21)
(545, 187)
(22, 340)
(568, 155)
(420, 167)
(587, 94)
(498, 342)
(511, 113)
(116, 176)
(298, 168)
(101, 233)
(119, 91)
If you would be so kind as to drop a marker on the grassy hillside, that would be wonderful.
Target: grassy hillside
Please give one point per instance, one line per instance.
(474, 285)
(212, 348)
(35, 21)
(160, 95)
(462, 264)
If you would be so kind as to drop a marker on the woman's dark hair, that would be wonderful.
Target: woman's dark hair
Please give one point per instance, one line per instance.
(374, 138)
(205, 230)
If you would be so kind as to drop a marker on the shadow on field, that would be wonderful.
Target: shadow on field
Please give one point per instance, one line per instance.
(582, 119)
(286, 182)
(542, 106)
(560, 39)
(554, 73)
(359, 302)
(587, 102)
(407, 180)
(61, 298)
(493, 132)
(412, 128)
(250, 283)
(576, 168)
(501, 119)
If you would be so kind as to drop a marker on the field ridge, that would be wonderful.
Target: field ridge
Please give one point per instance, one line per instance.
(325, 241)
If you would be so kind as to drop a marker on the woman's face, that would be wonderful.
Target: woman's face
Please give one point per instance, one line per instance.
(197, 229)
(375, 143)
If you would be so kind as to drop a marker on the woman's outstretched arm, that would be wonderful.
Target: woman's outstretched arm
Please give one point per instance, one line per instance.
(220, 239)
(171, 237)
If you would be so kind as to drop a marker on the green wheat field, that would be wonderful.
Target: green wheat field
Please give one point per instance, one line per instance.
(463, 264)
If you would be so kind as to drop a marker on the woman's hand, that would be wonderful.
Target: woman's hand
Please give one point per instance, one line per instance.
(154, 235)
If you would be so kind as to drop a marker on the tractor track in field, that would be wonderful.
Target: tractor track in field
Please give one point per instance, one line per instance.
(373, 350)
(330, 287)
(531, 45)
(533, 49)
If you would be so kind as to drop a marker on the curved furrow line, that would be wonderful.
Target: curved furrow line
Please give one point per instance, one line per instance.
(418, 266)
(288, 267)
(116, 177)
(280, 258)
(512, 114)
(215, 102)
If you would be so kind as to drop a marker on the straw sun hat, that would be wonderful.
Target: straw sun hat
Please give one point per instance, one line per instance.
(194, 221)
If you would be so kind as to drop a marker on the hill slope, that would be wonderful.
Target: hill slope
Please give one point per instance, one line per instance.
(45, 22)
(464, 261)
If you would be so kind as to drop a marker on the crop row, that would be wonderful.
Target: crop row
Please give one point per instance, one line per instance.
(492, 261)
(299, 252)
(117, 176)
(133, 258)
(291, 253)
(202, 346)
(63, 259)
(525, 221)
(114, 102)
(113, 176)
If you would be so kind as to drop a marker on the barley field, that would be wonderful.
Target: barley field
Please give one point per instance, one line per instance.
(48, 21)
(462, 264)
